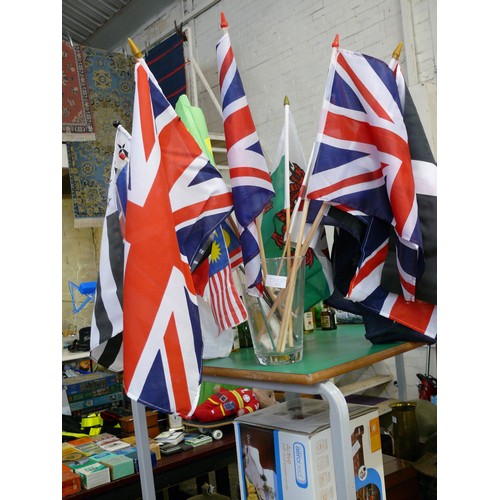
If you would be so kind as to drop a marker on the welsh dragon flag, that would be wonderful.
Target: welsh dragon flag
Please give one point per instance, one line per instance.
(318, 275)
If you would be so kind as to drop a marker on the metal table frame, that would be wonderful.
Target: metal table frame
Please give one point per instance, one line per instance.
(313, 377)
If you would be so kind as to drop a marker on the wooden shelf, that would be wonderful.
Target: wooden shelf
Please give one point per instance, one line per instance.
(363, 385)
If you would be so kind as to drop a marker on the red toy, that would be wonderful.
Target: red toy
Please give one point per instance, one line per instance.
(226, 403)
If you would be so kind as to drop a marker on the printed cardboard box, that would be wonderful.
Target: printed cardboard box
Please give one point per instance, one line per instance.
(284, 457)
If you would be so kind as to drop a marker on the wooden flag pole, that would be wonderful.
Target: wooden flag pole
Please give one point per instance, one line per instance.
(314, 226)
(261, 250)
(290, 285)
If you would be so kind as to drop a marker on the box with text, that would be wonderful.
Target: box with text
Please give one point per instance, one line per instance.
(284, 457)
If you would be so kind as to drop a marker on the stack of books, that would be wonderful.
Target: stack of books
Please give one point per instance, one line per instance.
(91, 472)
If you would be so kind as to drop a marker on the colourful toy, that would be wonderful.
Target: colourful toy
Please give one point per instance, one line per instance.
(226, 403)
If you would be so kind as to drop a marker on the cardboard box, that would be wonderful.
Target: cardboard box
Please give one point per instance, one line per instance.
(152, 432)
(117, 444)
(289, 458)
(94, 393)
(127, 423)
(96, 402)
(153, 445)
(89, 449)
(91, 473)
(70, 481)
(132, 454)
(89, 382)
(119, 465)
(71, 454)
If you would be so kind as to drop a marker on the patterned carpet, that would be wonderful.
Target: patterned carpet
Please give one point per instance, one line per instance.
(110, 79)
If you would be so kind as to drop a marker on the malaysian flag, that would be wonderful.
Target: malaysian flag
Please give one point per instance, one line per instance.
(363, 161)
(249, 175)
(175, 200)
(227, 306)
(106, 332)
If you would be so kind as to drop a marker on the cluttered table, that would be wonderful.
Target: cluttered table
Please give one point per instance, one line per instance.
(327, 354)
(172, 470)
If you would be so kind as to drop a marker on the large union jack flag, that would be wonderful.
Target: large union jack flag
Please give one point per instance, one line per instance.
(374, 285)
(175, 200)
(363, 161)
(249, 175)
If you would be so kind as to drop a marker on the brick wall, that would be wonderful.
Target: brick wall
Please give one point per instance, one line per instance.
(80, 247)
(284, 47)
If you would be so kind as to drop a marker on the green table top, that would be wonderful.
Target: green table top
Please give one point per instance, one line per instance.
(326, 354)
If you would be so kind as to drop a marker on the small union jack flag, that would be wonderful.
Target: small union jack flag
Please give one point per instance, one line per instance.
(249, 175)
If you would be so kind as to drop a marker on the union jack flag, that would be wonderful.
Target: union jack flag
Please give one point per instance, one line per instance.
(175, 200)
(249, 175)
(375, 283)
(363, 161)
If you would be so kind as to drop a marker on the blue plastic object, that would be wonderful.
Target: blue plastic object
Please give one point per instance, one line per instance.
(87, 289)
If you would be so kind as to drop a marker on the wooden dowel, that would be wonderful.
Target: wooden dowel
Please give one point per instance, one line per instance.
(290, 286)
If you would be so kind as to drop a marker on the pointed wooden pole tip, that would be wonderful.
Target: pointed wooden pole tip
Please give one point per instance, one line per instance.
(336, 41)
(223, 21)
(286, 102)
(135, 50)
(397, 51)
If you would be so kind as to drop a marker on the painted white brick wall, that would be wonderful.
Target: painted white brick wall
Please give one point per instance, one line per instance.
(283, 47)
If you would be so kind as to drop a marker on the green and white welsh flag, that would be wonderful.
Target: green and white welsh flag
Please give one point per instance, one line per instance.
(319, 283)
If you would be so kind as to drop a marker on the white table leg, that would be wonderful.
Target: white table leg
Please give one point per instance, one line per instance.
(401, 376)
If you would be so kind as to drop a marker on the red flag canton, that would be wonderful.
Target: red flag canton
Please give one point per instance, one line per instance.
(363, 160)
(249, 175)
(175, 200)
